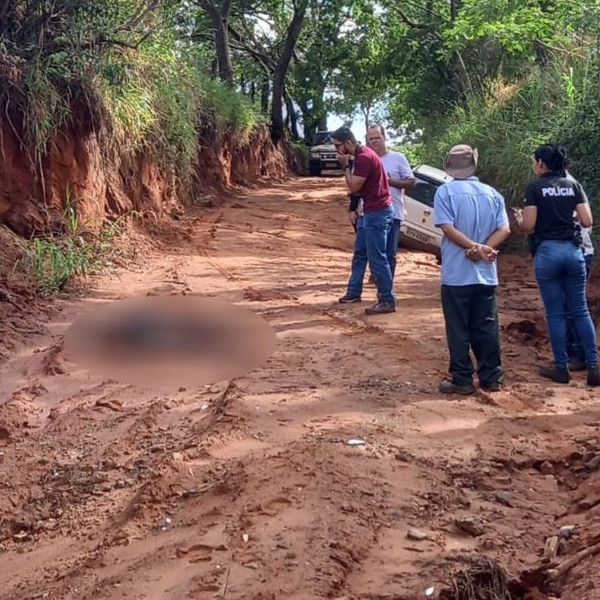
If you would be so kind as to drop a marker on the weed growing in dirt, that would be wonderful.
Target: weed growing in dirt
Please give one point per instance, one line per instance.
(52, 262)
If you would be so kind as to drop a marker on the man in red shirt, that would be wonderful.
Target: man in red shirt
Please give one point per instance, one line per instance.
(369, 178)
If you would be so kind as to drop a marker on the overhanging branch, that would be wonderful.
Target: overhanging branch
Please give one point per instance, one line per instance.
(143, 11)
(406, 19)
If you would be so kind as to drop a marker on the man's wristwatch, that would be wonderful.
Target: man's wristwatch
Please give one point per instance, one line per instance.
(345, 167)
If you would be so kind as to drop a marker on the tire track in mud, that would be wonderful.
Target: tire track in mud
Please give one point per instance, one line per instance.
(249, 489)
(341, 322)
(121, 529)
(340, 558)
(203, 230)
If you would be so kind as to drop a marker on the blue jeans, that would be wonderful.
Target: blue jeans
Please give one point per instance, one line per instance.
(377, 229)
(574, 347)
(359, 260)
(392, 245)
(560, 273)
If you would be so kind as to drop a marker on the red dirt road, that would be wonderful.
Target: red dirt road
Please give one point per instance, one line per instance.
(248, 489)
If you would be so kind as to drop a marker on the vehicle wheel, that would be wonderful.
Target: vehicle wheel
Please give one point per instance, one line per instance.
(314, 168)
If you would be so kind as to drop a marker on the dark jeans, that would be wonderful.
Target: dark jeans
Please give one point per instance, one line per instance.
(574, 347)
(377, 229)
(472, 323)
(560, 273)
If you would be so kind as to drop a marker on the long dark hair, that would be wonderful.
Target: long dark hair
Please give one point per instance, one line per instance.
(553, 156)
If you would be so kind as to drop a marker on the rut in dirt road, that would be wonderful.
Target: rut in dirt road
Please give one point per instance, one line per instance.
(249, 488)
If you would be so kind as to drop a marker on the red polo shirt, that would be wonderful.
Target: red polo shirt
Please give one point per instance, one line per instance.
(375, 191)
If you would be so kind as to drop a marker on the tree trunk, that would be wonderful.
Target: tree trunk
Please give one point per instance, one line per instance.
(279, 75)
(306, 116)
(264, 97)
(312, 121)
(290, 110)
(322, 125)
(366, 111)
(219, 20)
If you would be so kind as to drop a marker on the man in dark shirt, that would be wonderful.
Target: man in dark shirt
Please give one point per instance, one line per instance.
(370, 179)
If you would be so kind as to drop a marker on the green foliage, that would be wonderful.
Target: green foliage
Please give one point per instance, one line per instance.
(46, 109)
(53, 262)
(301, 150)
(416, 152)
(227, 108)
(369, 71)
(580, 129)
(130, 64)
(517, 24)
(504, 75)
(554, 106)
(321, 54)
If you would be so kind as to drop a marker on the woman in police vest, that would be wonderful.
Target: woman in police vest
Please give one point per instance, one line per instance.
(555, 243)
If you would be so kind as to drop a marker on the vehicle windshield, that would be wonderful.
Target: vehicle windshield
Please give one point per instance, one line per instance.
(323, 137)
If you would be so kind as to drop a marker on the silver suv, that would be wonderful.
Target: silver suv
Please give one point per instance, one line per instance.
(323, 156)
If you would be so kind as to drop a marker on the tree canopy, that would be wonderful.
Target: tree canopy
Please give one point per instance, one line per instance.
(443, 68)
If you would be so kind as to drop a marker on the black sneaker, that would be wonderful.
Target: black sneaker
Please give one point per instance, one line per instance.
(556, 374)
(494, 386)
(593, 375)
(348, 299)
(381, 308)
(577, 364)
(447, 387)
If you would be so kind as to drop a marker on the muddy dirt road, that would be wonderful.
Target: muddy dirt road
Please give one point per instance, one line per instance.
(248, 489)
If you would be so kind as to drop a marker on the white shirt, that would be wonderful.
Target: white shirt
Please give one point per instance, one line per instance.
(397, 167)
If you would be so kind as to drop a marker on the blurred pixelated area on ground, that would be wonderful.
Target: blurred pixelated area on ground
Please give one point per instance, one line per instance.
(170, 341)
